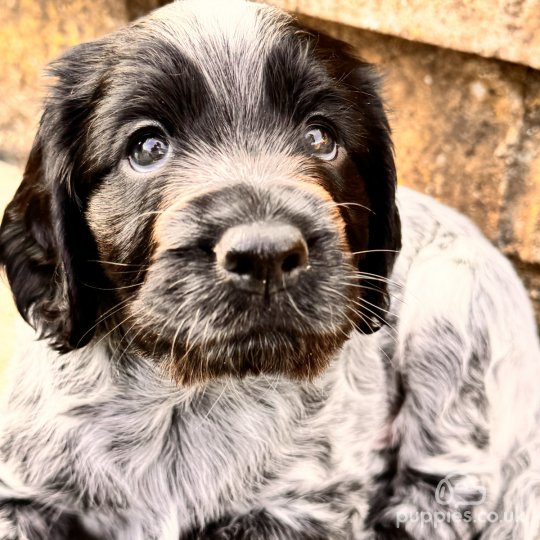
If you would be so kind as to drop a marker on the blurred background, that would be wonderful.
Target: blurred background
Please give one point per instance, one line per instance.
(461, 81)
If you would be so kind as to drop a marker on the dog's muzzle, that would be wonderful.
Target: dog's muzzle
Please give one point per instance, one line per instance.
(248, 279)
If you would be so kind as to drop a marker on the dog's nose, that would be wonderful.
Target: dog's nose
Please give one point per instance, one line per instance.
(262, 257)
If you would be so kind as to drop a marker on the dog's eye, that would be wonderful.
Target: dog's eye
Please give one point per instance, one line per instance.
(320, 143)
(148, 152)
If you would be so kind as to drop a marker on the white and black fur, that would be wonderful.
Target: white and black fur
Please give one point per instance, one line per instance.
(157, 398)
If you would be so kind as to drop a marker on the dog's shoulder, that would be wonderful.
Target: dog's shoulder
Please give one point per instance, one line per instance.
(441, 240)
(456, 293)
(427, 222)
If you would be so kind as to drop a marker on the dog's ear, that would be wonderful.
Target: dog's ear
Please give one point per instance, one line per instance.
(374, 160)
(376, 165)
(45, 245)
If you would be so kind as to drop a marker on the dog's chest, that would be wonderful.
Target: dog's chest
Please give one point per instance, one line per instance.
(242, 442)
(152, 451)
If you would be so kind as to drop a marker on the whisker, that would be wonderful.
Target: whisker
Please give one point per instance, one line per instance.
(378, 346)
(361, 301)
(121, 272)
(366, 321)
(126, 335)
(121, 323)
(189, 345)
(144, 214)
(113, 288)
(119, 263)
(376, 277)
(225, 386)
(177, 312)
(291, 299)
(359, 313)
(383, 321)
(375, 251)
(125, 349)
(109, 313)
(345, 204)
(367, 287)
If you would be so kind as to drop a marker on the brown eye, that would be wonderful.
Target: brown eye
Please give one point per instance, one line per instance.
(148, 152)
(320, 143)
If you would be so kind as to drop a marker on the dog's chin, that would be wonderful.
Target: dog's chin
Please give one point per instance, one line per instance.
(259, 352)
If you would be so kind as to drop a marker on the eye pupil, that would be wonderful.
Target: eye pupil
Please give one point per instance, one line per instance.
(148, 152)
(321, 144)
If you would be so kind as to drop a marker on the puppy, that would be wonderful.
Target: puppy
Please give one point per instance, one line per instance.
(224, 346)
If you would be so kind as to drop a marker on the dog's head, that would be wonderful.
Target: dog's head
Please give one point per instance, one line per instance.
(214, 186)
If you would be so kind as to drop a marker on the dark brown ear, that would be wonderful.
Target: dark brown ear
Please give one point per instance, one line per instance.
(376, 164)
(45, 245)
(374, 160)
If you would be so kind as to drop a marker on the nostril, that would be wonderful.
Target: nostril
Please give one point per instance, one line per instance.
(290, 262)
(239, 263)
(293, 260)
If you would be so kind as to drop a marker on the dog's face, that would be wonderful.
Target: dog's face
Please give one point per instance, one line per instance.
(212, 185)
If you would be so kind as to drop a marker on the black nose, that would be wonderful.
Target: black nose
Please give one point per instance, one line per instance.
(262, 257)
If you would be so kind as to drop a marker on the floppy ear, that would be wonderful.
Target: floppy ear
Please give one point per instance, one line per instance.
(374, 160)
(376, 165)
(45, 244)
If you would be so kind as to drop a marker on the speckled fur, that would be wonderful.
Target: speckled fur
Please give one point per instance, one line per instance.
(99, 442)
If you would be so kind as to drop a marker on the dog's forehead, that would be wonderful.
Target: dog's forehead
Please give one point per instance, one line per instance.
(221, 36)
(237, 73)
(237, 21)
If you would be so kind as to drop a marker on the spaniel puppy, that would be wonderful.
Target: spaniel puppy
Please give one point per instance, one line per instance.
(204, 245)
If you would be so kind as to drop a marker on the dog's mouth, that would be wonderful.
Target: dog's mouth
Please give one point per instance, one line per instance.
(203, 332)
(254, 351)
